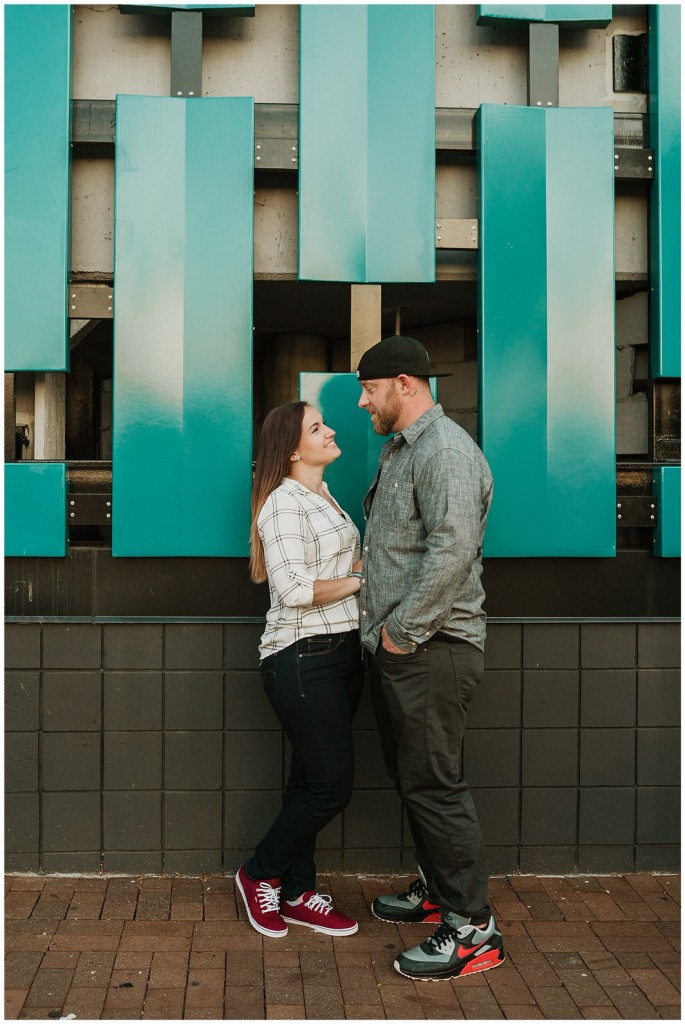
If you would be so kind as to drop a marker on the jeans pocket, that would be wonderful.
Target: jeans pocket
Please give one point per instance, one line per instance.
(321, 644)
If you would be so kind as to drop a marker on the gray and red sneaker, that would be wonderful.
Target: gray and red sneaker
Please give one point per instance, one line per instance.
(414, 906)
(317, 912)
(262, 902)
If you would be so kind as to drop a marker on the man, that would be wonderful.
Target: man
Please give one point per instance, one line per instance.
(423, 624)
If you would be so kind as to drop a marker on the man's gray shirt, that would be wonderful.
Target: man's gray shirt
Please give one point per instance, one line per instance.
(426, 512)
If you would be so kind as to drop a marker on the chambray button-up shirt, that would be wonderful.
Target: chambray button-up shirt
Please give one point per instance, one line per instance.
(426, 511)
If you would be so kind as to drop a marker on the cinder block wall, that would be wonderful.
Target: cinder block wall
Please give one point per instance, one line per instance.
(151, 747)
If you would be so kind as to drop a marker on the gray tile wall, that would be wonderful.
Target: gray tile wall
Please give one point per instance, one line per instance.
(151, 747)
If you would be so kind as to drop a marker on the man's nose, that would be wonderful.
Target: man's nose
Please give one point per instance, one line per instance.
(363, 400)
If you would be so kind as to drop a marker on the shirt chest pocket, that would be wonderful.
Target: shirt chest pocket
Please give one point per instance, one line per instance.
(398, 505)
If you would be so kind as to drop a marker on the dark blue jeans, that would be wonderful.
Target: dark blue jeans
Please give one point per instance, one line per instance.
(314, 686)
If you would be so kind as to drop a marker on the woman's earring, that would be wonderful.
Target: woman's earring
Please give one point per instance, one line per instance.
(295, 457)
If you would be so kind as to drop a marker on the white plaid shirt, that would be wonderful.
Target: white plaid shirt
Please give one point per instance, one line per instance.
(305, 539)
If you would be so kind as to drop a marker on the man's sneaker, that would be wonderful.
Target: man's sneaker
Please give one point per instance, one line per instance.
(456, 949)
(317, 912)
(410, 907)
(262, 901)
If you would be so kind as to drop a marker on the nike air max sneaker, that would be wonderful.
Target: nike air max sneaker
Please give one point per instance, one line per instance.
(410, 907)
(456, 949)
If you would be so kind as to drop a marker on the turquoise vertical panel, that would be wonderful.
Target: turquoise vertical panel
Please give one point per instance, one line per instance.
(546, 332)
(668, 532)
(336, 396)
(36, 509)
(579, 14)
(37, 206)
(367, 143)
(182, 452)
(665, 229)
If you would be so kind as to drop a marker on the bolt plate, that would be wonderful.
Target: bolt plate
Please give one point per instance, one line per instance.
(89, 509)
(637, 510)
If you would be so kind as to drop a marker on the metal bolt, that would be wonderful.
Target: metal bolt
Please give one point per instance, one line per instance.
(293, 159)
(294, 149)
(109, 296)
(259, 147)
(73, 295)
(652, 506)
(108, 516)
(649, 158)
(73, 307)
(109, 504)
(619, 505)
(191, 93)
(439, 227)
(258, 158)
(72, 514)
(615, 167)
(179, 93)
(539, 103)
(440, 238)
(71, 503)
(549, 103)
(619, 517)
(651, 517)
(615, 156)
(109, 308)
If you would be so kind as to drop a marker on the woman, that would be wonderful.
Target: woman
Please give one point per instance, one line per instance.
(311, 667)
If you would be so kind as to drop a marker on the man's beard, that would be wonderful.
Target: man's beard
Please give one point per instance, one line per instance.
(386, 418)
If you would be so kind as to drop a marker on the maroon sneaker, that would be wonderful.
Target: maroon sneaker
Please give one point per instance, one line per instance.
(262, 900)
(317, 912)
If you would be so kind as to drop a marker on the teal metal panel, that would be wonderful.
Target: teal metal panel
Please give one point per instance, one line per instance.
(37, 206)
(665, 229)
(667, 490)
(336, 396)
(546, 331)
(182, 452)
(36, 509)
(367, 143)
(577, 14)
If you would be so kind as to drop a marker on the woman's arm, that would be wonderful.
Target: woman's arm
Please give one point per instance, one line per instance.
(326, 591)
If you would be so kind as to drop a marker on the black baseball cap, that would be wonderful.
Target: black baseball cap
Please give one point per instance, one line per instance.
(396, 355)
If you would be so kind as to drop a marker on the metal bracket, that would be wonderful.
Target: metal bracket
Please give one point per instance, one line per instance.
(636, 510)
(543, 65)
(456, 233)
(90, 302)
(630, 63)
(89, 509)
(633, 163)
(186, 53)
(276, 154)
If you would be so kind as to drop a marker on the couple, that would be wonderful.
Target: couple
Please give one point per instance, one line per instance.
(419, 589)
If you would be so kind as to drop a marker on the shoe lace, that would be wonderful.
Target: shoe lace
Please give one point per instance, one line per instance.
(322, 904)
(268, 896)
(417, 888)
(442, 940)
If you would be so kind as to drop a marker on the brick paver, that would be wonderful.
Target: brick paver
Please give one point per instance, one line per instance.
(151, 948)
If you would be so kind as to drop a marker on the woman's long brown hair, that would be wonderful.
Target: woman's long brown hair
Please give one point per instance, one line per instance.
(280, 436)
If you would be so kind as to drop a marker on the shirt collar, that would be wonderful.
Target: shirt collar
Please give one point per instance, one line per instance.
(293, 486)
(413, 432)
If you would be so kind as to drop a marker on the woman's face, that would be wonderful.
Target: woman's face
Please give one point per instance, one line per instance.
(317, 445)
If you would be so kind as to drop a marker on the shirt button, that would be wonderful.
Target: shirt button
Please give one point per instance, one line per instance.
(363, 579)
(427, 633)
(363, 613)
(366, 547)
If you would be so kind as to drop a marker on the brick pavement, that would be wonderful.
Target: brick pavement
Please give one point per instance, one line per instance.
(169, 948)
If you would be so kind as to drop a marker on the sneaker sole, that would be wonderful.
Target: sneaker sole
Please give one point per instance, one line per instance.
(446, 977)
(320, 928)
(433, 918)
(258, 927)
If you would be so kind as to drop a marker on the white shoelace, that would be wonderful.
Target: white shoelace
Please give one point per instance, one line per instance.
(269, 898)
(320, 903)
